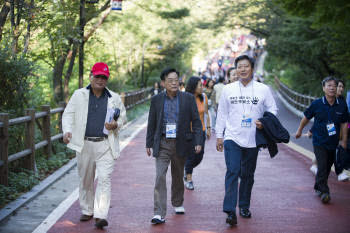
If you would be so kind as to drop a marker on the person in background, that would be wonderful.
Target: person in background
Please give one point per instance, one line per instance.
(88, 130)
(342, 176)
(156, 89)
(195, 87)
(218, 89)
(174, 128)
(182, 86)
(231, 75)
(331, 117)
(209, 91)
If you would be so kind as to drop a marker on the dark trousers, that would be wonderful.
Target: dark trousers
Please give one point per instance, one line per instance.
(193, 159)
(241, 162)
(325, 159)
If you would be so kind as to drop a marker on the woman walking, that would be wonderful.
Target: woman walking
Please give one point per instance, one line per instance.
(195, 87)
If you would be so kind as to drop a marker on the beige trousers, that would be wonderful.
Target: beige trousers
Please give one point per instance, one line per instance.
(167, 155)
(96, 157)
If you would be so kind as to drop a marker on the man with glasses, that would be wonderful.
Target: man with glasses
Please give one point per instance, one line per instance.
(91, 122)
(173, 126)
(330, 118)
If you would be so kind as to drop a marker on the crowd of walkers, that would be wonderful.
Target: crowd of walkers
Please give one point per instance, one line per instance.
(237, 107)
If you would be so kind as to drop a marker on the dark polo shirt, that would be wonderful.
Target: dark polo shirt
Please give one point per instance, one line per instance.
(96, 114)
(323, 114)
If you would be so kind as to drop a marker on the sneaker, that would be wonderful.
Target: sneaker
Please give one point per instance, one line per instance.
(313, 169)
(325, 198)
(179, 210)
(189, 185)
(157, 219)
(343, 176)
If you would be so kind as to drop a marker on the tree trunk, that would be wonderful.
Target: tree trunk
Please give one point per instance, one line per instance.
(69, 73)
(27, 37)
(81, 47)
(3, 16)
(57, 75)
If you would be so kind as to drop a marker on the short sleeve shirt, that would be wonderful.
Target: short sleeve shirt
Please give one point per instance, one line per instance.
(324, 114)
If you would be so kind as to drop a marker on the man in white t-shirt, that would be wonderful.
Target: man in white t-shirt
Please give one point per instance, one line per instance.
(241, 104)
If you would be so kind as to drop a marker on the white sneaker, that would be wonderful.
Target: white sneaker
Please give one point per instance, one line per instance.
(157, 219)
(313, 169)
(343, 176)
(179, 210)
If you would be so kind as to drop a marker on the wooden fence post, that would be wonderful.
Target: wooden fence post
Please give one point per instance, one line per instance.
(46, 131)
(62, 105)
(4, 140)
(29, 161)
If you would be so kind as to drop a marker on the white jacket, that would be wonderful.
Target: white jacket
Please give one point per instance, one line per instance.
(74, 119)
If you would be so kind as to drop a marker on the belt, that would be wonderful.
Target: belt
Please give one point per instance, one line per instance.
(95, 139)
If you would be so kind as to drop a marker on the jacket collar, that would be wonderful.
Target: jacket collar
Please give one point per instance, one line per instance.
(106, 90)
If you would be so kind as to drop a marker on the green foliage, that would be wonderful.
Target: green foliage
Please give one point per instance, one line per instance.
(331, 20)
(138, 110)
(14, 75)
(176, 14)
(22, 180)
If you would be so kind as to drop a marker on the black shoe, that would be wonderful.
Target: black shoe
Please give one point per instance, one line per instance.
(100, 223)
(231, 218)
(245, 213)
(325, 198)
(84, 217)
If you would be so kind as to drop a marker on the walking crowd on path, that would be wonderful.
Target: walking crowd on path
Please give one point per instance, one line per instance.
(236, 106)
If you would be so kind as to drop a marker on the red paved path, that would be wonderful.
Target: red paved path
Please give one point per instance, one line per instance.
(282, 201)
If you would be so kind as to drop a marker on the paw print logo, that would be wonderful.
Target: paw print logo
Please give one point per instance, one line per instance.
(255, 100)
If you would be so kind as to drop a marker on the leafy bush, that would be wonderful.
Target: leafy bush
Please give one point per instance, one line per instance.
(14, 74)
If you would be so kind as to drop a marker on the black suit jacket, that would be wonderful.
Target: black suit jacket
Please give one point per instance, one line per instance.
(188, 113)
(272, 133)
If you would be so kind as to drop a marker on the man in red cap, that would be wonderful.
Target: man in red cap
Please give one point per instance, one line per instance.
(90, 123)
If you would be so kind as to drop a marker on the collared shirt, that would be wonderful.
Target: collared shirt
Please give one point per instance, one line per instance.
(238, 101)
(171, 110)
(324, 114)
(96, 114)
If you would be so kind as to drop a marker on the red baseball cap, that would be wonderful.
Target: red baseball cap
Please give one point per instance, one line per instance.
(100, 68)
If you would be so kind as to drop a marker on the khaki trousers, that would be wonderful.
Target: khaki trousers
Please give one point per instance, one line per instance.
(167, 154)
(96, 157)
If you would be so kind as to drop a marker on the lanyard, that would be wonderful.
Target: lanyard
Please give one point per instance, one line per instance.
(329, 114)
(167, 109)
(251, 106)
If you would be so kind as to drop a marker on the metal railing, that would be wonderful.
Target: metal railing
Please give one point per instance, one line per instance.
(295, 99)
(130, 99)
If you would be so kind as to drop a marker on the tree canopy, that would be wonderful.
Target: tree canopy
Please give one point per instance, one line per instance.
(307, 40)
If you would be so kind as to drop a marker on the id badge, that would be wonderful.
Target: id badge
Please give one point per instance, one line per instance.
(331, 129)
(170, 130)
(246, 123)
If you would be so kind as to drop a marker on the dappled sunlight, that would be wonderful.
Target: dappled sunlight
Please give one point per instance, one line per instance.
(66, 223)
